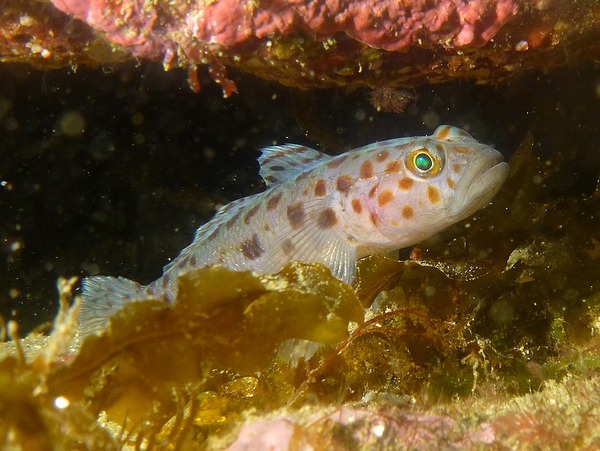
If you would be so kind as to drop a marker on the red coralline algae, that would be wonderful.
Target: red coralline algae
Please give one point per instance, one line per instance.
(129, 23)
(309, 44)
(149, 28)
(386, 24)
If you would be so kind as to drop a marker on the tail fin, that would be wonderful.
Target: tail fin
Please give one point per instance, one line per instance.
(101, 297)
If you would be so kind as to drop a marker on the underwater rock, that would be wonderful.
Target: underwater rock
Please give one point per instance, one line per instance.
(313, 43)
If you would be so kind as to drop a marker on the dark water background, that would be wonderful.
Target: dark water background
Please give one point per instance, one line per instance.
(110, 171)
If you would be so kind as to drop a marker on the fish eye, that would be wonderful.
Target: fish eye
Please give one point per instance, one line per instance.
(423, 161)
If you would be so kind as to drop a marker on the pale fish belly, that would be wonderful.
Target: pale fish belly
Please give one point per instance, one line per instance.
(329, 210)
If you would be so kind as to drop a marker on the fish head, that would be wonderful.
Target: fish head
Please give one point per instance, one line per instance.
(444, 178)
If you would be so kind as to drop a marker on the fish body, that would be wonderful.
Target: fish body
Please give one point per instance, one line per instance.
(330, 210)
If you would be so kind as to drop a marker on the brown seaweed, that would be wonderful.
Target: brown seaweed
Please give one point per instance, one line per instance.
(500, 305)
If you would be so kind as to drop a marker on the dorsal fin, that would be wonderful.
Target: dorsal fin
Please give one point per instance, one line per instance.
(223, 214)
(281, 163)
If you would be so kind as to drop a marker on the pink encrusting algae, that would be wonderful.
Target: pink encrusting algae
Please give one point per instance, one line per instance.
(148, 28)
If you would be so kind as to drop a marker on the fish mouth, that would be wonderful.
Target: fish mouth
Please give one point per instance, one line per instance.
(479, 184)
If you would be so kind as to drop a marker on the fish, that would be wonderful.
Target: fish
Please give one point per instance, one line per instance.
(326, 209)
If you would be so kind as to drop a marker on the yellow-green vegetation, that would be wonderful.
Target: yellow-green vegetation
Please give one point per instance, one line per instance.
(487, 336)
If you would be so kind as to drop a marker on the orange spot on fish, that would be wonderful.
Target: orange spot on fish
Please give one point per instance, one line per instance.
(393, 166)
(407, 212)
(456, 168)
(366, 169)
(337, 162)
(405, 183)
(385, 197)
(321, 188)
(382, 156)
(451, 183)
(357, 206)
(433, 194)
(343, 183)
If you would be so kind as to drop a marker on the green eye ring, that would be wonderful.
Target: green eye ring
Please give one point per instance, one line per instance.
(423, 162)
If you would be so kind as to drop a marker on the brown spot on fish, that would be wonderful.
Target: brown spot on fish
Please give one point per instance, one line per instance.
(407, 212)
(382, 156)
(462, 150)
(321, 188)
(372, 191)
(366, 169)
(267, 228)
(193, 261)
(251, 213)
(357, 206)
(327, 219)
(433, 194)
(292, 163)
(273, 201)
(393, 166)
(288, 247)
(296, 214)
(213, 235)
(405, 183)
(451, 183)
(343, 183)
(271, 179)
(440, 148)
(276, 168)
(385, 197)
(229, 224)
(337, 162)
(456, 168)
(251, 248)
(165, 281)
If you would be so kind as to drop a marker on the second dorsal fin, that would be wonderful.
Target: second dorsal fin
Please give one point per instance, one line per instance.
(281, 163)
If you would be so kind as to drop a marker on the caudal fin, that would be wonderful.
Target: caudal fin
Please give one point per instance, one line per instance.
(101, 297)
